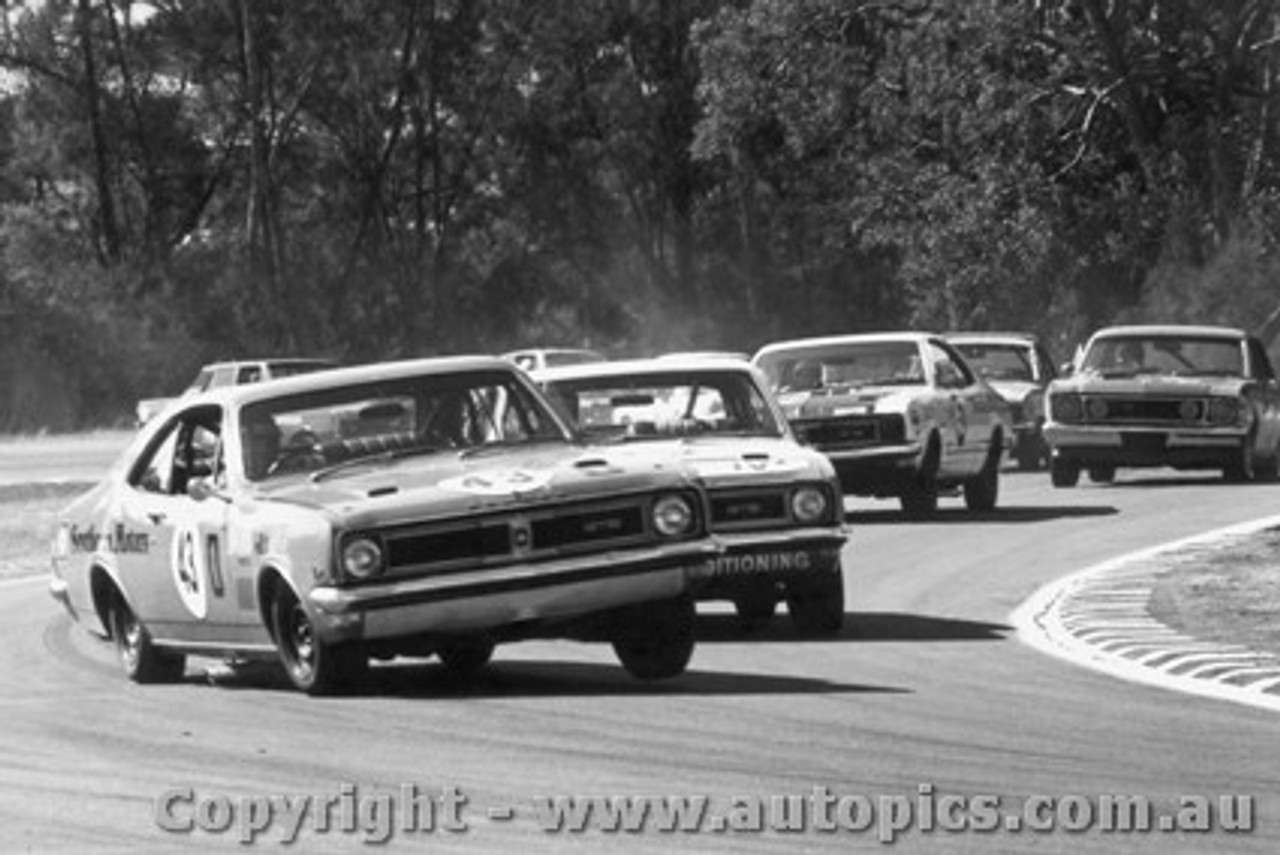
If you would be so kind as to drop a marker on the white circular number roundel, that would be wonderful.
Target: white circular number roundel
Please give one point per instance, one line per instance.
(189, 573)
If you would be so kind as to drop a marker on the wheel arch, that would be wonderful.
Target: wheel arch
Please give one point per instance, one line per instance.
(103, 585)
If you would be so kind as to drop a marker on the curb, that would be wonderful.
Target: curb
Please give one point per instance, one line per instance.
(1097, 618)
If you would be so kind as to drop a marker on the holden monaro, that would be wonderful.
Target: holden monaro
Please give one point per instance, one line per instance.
(1189, 397)
(898, 414)
(775, 505)
(426, 507)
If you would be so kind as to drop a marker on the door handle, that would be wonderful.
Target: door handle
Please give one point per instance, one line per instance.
(156, 517)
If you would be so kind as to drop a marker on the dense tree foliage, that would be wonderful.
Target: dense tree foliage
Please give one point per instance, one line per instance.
(184, 180)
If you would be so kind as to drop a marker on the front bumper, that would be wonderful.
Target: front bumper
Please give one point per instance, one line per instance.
(1145, 446)
(768, 559)
(522, 594)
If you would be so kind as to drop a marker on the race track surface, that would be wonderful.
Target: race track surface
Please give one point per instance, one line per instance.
(927, 712)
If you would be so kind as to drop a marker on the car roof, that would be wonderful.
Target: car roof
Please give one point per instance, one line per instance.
(282, 360)
(352, 375)
(851, 338)
(1019, 338)
(1171, 330)
(632, 367)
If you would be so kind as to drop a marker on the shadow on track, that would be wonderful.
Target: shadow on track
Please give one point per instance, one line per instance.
(1003, 515)
(428, 680)
(858, 627)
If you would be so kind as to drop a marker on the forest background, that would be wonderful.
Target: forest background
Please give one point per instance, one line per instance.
(188, 180)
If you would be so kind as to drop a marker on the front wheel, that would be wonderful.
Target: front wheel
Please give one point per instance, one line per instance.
(143, 662)
(983, 492)
(1064, 473)
(315, 666)
(920, 498)
(656, 640)
(816, 605)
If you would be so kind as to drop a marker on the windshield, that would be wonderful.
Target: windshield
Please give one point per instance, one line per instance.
(433, 412)
(881, 363)
(666, 404)
(1118, 356)
(998, 361)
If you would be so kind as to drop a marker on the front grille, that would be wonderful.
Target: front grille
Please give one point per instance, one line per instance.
(742, 509)
(530, 534)
(852, 431)
(1121, 410)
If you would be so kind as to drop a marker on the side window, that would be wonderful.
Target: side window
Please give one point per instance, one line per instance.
(950, 370)
(249, 374)
(190, 448)
(1262, 368)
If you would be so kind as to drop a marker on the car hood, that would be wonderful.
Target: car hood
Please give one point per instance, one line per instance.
(1151, 385)
(447, 483)
(836, 401)
(729, 460)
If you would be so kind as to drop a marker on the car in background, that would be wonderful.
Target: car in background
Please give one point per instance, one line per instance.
(232, 527)
(705, 354)
(1189, 397)
(217, 374)
(899, 414)
(1018, 366)
(774, 505)
(534, 359)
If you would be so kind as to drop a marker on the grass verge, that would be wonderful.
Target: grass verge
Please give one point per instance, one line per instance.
(1232, 597)
(27, 514)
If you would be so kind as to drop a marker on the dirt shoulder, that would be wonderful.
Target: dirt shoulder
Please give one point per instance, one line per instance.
(1232, 596)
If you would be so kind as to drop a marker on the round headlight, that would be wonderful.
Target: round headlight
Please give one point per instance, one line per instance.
(672, 516)
(809, 504)
(1224, 411)
(1096, 409)
(362, 557)
(1189, 410)
(1065, 408)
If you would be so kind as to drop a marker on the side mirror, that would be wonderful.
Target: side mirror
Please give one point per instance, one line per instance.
(1066, 369)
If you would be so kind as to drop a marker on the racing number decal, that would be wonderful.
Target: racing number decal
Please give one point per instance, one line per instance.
(189, 571)
(505, 483)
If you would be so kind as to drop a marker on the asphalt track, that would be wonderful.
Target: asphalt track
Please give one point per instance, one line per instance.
(927, 704)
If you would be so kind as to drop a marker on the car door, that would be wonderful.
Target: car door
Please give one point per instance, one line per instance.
(176, 585)
(1263, 374)
(976, 407)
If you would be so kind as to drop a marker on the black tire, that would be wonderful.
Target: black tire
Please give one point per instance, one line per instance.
(1064, 473)
(920, 498)
(1247, 466)
(1102, 474)
(143, 662)
(466, 658)
(983, 492)
(816, 605)
(755, 610)
(655, 641)
(312, 664)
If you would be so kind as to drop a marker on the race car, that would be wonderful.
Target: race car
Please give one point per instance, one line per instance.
(1018, 366)
(899, 414)
(1189, 397)
(425, 507)
(775, 505)
(217, 374)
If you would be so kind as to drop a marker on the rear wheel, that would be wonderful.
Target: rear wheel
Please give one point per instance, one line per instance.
(1064, 473)
(466, 658)
(816, 605)
(315, 666)
(755, 609)
(143, 662)
(1102, 474)
(656, 640)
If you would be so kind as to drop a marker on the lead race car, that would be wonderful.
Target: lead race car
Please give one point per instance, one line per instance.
(774, 504)
(412, 508)
(1190, 397)
(899, 414)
